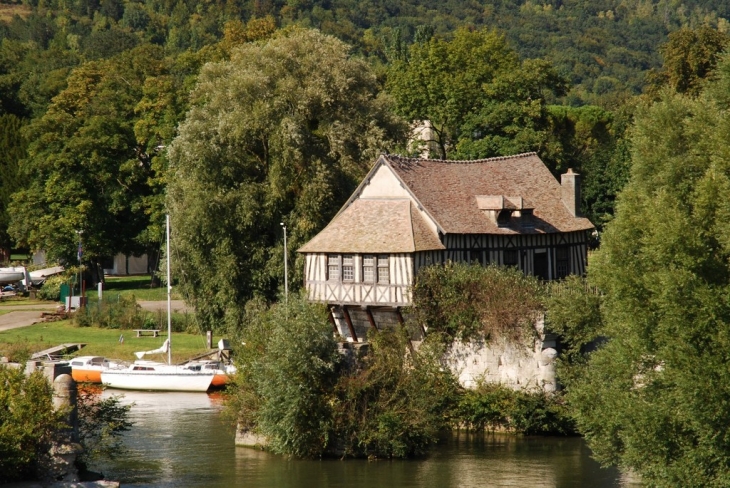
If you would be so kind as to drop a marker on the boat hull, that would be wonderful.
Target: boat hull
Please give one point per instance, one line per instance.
(157, 380)
(11, 275)
(86, 375)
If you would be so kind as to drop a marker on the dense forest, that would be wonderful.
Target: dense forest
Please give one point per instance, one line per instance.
(93, 95)
(236, 117)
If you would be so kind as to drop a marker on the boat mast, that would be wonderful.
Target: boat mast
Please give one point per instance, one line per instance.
(169, 291)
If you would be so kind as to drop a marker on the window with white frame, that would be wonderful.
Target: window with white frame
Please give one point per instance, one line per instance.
(348, 267)
(383, 269)
(333, 267)
(368, 268)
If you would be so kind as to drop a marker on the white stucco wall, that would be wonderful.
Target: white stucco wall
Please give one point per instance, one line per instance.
(384, 184)
(529, 365)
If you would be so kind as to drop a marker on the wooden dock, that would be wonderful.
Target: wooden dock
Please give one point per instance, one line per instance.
(53, 353)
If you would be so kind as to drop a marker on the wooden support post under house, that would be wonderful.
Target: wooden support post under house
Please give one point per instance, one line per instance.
(403, 325)
(349, 323)
(331, 317)
(371, 319)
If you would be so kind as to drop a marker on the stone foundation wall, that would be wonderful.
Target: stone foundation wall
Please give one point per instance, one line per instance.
(529, 364)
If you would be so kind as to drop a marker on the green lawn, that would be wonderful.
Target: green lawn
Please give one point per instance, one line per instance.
(101, 342)
(139, 286)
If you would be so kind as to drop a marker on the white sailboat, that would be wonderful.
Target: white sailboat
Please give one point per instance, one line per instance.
(149, 375)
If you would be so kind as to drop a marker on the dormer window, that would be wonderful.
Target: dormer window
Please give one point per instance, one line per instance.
(503, 217)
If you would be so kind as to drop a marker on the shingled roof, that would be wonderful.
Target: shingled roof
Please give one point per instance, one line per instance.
(375, 226)
(448, 191)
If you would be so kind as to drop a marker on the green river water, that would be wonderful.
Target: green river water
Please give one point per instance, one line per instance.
(180, 440)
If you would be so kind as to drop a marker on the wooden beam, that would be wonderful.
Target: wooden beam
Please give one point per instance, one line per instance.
(331, 317)
(371, 319)
(403, 324)
(349, 324)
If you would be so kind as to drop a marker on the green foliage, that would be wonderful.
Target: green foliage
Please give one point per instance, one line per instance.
(28, 424)
(280, 133)
(288, 369)
(12, 150)
(51, 288)
(85, 170)
(102, 422)
(495, 407)
(654, 398)
(296, 389)
(396, 400)
(120, 312)
(573, 313)
(462, 301)
(480, 99)
(690, 57)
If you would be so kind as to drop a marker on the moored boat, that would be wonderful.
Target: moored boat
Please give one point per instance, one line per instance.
(222, 372)
(149, 375)
(87, 369)
(11, 275)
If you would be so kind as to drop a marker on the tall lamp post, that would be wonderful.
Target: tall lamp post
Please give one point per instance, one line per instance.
(79, 255)
(286, 268)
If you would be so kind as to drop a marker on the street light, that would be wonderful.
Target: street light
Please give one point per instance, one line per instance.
(79, 254)
(286, 269)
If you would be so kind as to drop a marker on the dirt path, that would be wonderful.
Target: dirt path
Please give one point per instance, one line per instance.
(13, 320)
(25, 315)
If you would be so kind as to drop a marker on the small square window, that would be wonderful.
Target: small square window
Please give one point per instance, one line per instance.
(475, 256)
(383, 270)
(368, 268)
(348, 268)
(333, 267)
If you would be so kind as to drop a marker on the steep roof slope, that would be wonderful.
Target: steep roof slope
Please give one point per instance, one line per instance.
(448, 191)
(375, 226)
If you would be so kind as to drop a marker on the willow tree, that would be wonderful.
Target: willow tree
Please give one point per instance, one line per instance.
(281, 132)
(656, 397)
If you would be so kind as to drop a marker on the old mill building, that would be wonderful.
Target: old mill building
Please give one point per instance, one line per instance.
(408, 213)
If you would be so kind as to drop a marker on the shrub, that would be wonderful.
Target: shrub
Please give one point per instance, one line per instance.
(101, 425)
(496, 407)
(28, 424)
(395, 401)
(51, 288)
(114, 313)
(461, 301)
(295, 388)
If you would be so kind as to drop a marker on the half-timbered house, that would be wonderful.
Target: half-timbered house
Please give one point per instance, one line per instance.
(408, 213)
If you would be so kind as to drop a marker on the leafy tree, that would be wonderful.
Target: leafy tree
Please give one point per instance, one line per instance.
(655, 398)
(85, 169)
(28, 424)
(395, 400)
(308, 400)
(480, 99)
(280, 133)
(690, 55)
(442, 81)
(12, 150)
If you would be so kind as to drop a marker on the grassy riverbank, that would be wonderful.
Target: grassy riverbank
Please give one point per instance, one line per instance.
(102, 342)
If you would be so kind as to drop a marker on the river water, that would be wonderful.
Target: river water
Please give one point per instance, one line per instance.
(180, 440)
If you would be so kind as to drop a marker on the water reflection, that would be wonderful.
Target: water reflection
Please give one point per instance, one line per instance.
(179, 439)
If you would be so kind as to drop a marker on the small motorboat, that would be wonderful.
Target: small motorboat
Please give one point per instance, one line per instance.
(87, 369)
(222, 371)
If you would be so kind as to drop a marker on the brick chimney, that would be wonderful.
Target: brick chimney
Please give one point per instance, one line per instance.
(570, 183)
